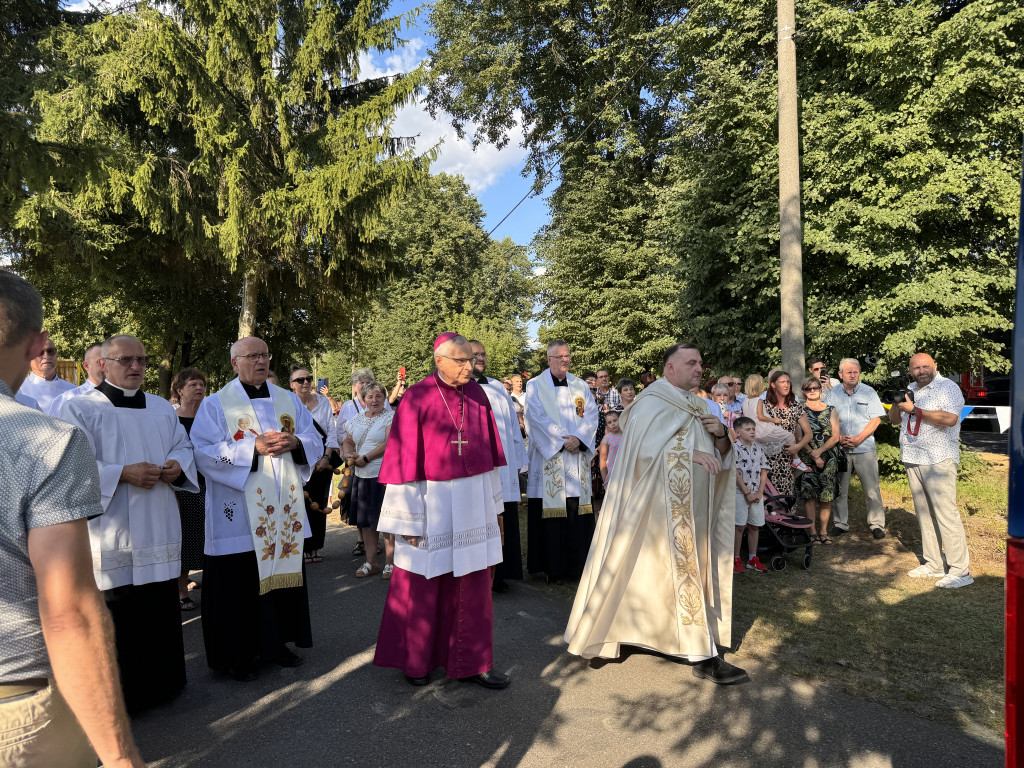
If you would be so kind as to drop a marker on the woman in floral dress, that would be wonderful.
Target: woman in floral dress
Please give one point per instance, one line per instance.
(819, 487)
(781, 408)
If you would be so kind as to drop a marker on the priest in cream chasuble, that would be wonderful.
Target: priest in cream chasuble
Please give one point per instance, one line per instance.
(659, 573)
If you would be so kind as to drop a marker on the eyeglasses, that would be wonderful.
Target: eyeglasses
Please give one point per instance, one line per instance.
(735, 384)
(48, 353)
(303, 380)
(559, 357)
(461, 361)
(127, 362)
(256, 356)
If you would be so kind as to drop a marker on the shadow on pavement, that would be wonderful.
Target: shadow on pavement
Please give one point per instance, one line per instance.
(645, 712)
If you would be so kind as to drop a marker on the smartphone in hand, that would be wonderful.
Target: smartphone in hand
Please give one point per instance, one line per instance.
(321, 383)
(401, 372)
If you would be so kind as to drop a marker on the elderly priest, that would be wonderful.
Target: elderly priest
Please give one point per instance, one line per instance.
(443, 498)
(256, 445)
(143, 456)
(561, 422)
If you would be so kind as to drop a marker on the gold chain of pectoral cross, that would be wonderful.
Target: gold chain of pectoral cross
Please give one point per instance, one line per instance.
(458, 441)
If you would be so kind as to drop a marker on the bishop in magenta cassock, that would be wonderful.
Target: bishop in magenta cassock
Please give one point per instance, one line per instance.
(143, 456)
(443, 498)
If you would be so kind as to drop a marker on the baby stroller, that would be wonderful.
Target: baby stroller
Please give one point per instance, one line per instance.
(787, 531)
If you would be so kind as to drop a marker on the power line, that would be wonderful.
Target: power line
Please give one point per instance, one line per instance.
(607, 104)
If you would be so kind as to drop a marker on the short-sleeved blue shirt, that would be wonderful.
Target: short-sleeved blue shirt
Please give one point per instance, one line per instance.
(48, 476)
(855, 411)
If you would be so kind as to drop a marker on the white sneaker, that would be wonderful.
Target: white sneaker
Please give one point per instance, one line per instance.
(949, 581)
(925, 572)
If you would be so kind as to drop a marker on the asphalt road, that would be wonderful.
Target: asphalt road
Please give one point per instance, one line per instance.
(644, 712)
(987, 442)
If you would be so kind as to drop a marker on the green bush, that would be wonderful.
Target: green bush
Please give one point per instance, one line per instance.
(887, 439)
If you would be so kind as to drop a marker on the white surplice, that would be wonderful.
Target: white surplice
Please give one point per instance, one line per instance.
(546, 435)
(28, 402)
(511, 438)
(44, 392)
(226, 464)
(137, 540)
(456, 520)
(59, 401)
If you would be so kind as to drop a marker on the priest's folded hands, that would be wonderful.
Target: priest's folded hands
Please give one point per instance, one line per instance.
(170, 471)
(143, 474)
(274, 443)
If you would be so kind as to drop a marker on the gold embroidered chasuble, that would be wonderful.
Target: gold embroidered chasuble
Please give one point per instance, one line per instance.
(659, 573)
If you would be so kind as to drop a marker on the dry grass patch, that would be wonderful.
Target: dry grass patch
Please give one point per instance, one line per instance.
(856, 620)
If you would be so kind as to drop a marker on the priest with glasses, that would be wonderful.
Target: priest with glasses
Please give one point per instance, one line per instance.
(256, 445)
(143, 456)
(441, 467)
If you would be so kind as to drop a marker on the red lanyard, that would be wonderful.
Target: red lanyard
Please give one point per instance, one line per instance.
(914, 425)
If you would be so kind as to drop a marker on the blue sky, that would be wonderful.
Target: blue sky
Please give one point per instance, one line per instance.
(493, 175)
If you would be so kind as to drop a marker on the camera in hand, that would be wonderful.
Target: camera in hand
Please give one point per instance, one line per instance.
(900, 395)
(897, 389)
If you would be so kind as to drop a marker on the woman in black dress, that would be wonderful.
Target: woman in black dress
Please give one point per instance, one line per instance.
(189, 389)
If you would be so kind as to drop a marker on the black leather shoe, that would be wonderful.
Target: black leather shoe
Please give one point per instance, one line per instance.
(416, 680)
(837, 532)
(288, 658)
(500, 587)
(244, 673)
(488, 679)
(719, 671)
(878, 533)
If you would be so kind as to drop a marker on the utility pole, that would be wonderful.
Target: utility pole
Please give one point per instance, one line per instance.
(791, 278)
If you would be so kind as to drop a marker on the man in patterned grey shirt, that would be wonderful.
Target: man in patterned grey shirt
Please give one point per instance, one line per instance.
(59, 689)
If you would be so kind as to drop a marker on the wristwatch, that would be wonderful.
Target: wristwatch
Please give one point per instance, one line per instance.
(365, 460)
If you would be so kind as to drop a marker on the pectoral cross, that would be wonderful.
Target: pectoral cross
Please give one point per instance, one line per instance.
(460, 442)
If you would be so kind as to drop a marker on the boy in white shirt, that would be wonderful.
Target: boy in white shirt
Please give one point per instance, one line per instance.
(751, 476)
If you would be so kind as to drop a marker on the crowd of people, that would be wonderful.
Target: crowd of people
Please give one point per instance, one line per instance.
(643, 492)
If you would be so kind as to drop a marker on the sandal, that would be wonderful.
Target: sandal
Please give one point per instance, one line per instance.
(386, 573)
(366, 570)
(186, 603)
(194, 585)
(307, 558)
(359, 550)
(826, 540)
(317, 557)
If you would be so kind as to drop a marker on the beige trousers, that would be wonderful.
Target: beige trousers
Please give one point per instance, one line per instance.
(933, 487)
(38, 730)
(866, 466)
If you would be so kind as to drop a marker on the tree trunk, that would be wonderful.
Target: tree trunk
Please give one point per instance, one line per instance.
(791, 280)
(170, 346)
(247, 317)
(186, 350)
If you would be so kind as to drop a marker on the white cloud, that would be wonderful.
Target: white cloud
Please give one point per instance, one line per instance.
(481, 168)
